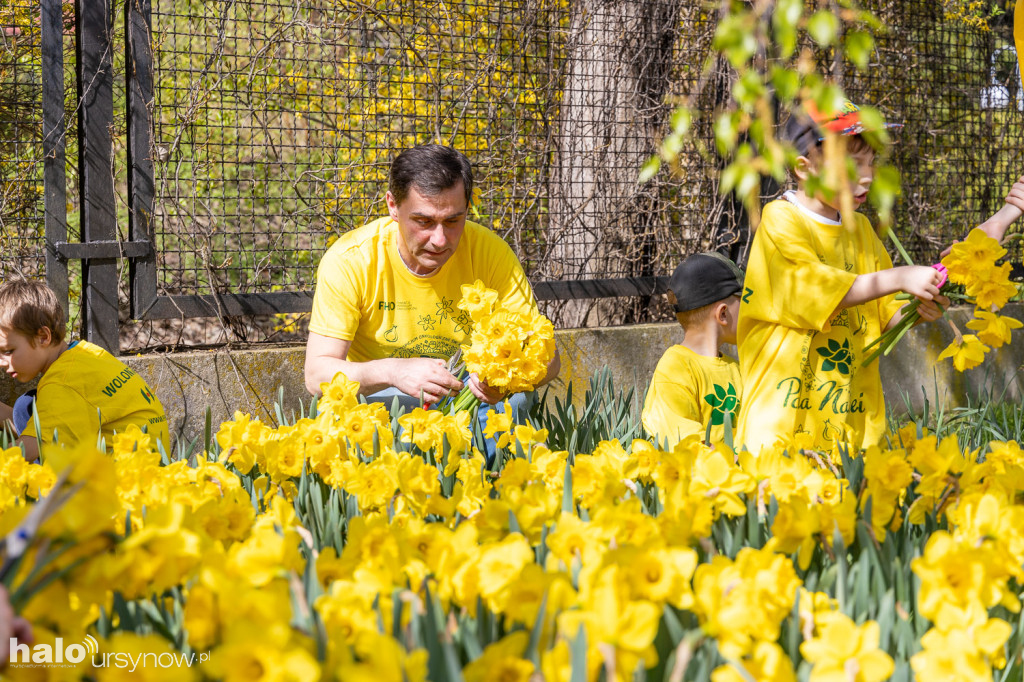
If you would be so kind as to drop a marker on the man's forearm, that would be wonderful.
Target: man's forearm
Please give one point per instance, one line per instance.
(372, 376)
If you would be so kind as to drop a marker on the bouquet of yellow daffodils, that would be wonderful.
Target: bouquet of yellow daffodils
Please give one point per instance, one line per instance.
(507, 350)
(972, 264)
(972, 276)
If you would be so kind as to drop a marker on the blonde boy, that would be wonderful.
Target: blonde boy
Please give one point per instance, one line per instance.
(819, 287)
(83, 390)
(694, 384)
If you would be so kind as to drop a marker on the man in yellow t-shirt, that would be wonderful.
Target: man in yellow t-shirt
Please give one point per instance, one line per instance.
(83, 390)
(385, 309)
(696, 388)
(820, 287)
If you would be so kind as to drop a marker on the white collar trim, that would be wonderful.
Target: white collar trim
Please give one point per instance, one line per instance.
(790, 196)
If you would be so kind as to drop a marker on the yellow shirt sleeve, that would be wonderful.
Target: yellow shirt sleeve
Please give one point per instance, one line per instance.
(514, 288)
(336, 304)
(795, 289)
(63, 409)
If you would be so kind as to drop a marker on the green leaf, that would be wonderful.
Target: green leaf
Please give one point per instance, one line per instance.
(786, 83)
(533, 647)
(568, 505)
(823, 27)
(578, 656)
(858, 45)
(749, 89)
(649, 169)
(681, 120)
(885, 188)
(726, 134)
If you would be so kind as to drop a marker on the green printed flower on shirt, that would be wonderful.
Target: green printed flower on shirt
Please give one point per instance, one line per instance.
(463, 323)
(444, 309)
(724, 399)
(836, 356)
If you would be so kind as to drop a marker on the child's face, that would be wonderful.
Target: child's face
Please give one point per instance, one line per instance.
(23, 358)
(835, 175)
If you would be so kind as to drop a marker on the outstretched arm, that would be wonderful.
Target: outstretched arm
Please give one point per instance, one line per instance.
(997, 225)
(920, 280)
(1001, 220)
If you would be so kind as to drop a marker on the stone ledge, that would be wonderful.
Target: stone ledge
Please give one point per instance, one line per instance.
(251, 380)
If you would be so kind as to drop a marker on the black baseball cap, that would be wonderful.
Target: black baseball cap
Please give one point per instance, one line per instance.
(703, 279)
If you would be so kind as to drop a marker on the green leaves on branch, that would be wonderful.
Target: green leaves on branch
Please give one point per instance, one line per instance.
(773, 50)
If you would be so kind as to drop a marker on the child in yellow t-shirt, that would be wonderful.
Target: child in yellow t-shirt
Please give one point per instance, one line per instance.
(83, 390)
(695, 386)
(819, 287)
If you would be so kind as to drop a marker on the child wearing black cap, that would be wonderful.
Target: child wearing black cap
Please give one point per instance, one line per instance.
(694, 385)
(819, 287)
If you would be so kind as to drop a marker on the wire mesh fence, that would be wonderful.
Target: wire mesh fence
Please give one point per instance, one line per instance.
(275, 123)
(21, 170)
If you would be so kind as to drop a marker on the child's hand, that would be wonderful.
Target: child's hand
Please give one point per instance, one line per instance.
(920, 280)
(932, 310)
(1016, 195)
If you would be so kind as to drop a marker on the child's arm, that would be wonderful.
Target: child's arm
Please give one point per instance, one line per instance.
(6, 412)
(997, 225)
(1001, 220)
(920, 280)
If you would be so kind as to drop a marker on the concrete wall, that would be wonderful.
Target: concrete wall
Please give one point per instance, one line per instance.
(250, 380)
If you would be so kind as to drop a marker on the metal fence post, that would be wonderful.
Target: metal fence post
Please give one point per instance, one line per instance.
(54, 131)
(94, 27)
(141, 184)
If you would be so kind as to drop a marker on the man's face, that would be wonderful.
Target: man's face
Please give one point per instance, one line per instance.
(429, 228)
(22, 358)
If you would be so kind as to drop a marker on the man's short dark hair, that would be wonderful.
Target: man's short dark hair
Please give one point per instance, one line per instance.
(431, 168)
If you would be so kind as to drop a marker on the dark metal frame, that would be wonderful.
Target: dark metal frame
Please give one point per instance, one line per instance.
(215, 305)
(99, 249)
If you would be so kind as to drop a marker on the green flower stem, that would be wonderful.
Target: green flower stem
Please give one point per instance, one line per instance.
(465, 400)
(903, 331)
(899, 247)
(889, 338)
